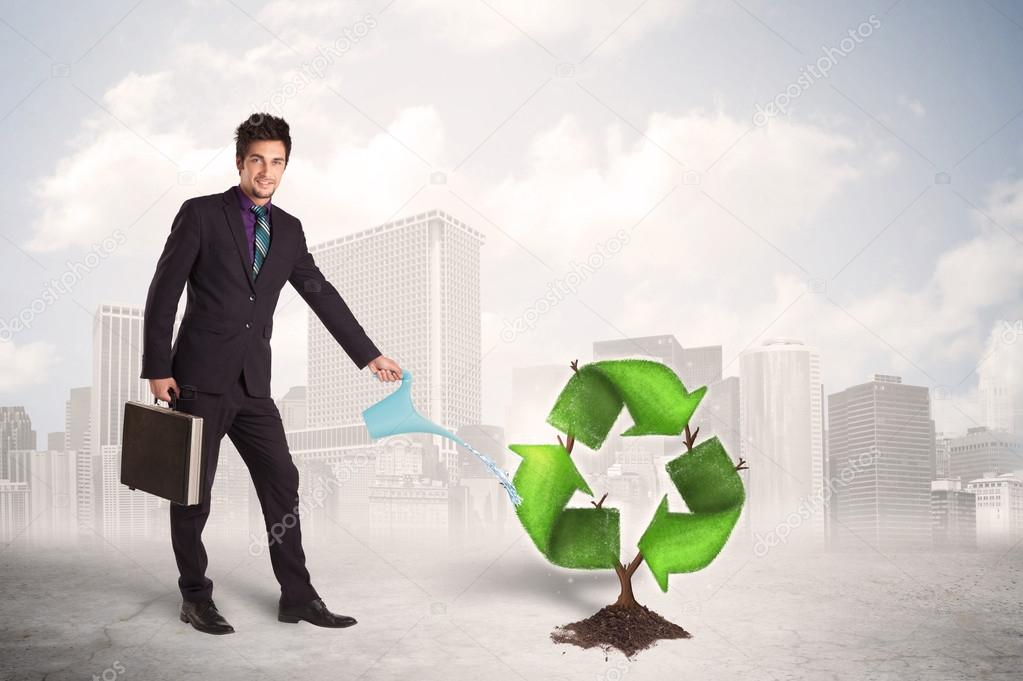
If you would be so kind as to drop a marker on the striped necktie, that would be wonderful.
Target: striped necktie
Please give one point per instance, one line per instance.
(262, 237)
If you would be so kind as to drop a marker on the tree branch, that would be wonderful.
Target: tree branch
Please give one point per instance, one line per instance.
(634, 564)
(691, 437)
(571, 443)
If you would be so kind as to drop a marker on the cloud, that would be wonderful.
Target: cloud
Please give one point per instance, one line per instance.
(913, 105)
(776, 178)
(87, 196)
(693, 269)
(1004, 205)
(26, 365)
(478, 26)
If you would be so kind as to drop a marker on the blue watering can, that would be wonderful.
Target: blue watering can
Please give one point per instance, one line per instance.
(396, 414)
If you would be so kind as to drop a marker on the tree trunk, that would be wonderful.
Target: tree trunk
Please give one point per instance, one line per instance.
(625, 598)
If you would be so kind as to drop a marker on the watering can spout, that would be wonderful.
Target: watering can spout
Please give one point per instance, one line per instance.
(396, 414)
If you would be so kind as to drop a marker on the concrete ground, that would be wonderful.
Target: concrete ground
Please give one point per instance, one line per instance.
(485, 609)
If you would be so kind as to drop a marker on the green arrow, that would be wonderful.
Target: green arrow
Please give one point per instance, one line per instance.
(593, 398)
(586, 538)
(712, 489)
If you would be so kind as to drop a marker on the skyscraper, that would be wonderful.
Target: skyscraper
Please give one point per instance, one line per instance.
(983, 450)
(718, 415)
(696, 366)
(76, 419)
(15, 433)
(55, 440)
(294, 408)
(942, 456)
(999, 509)
(953, 515)
(52, 498)
(116, 365)
(782, 438)
(1000, 387)
(14, 518)
(881, 444)
(77, 436)
(414, 285)
(127, 514)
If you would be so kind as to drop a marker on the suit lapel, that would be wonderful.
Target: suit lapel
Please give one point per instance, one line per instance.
(234, 222)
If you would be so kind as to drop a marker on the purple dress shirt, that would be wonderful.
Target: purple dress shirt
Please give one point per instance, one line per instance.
(249, 219)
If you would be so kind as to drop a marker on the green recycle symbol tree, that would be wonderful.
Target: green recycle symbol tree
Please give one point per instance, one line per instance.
(589, 538)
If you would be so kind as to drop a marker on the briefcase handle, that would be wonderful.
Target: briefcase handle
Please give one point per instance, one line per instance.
(173, 399)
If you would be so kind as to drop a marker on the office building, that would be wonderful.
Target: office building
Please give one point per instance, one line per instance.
(414, 285)
(881, 444)
(781, 420)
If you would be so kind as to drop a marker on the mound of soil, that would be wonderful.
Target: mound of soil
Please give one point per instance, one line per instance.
(628, 628)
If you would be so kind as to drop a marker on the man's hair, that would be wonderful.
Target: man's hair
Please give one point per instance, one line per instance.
(262, 126)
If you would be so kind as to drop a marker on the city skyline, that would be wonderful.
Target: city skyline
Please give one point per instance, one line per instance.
(962, 459)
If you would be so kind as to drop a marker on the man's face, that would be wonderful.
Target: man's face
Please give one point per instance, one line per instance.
(260, 171)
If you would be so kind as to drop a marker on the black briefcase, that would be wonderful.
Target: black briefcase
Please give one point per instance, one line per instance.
(161, 451)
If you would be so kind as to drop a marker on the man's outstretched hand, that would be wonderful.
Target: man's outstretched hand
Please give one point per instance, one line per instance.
(386, 369)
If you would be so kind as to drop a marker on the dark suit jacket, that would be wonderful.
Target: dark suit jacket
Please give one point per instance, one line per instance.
(228, 317)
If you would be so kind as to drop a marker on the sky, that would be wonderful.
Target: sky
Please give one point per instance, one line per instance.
(848, 174)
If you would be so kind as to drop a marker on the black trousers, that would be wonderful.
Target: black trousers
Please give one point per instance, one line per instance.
(254, 426)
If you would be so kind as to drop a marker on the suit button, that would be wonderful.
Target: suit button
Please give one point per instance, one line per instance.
(248, 325)
(252, 297)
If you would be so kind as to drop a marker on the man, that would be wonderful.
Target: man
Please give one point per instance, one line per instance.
(235, 252)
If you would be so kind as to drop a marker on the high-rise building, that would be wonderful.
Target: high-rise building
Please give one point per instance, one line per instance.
(128, 514)
(342, 462)
(983, 451)
(697, 366)
(999, 509)
(414, 285)
(781, 422)
(487, 503)
(77, 411)
(294, 408)
(881, 444)
(14, 517)
(953, 515)
(15, 433)
(1000, 385)
(942, 456)
(52, 498)
(407, 509)
(718, 415)
(55, 440)
(88, 497)
(116, 365)
(51, 506)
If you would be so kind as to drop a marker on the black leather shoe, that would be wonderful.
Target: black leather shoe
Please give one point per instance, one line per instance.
(314, 612)
(204, 616)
